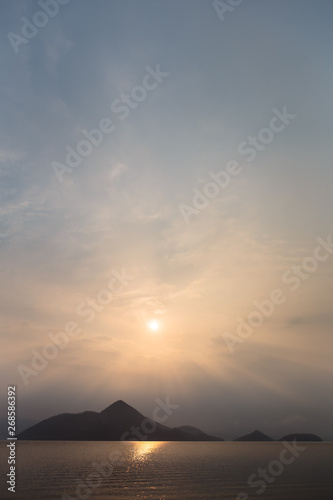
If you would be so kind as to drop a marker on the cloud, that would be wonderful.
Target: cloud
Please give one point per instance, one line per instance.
(117, 170)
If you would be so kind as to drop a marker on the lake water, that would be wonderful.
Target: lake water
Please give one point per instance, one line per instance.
(167, 470)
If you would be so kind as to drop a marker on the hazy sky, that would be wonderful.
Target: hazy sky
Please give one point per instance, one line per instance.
(179, 93)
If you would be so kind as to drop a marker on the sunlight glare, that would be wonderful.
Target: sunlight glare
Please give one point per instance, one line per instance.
(153, 325)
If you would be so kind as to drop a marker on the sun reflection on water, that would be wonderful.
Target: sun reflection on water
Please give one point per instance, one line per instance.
(143, 448)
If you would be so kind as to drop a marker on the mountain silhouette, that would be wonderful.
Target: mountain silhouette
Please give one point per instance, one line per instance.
(260, 436)
(196, 433)
(118, 421)
(254, 436)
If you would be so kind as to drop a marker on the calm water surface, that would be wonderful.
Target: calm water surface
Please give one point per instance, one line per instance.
(165, 470)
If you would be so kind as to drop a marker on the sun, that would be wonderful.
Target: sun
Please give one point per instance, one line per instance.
(153, 325)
